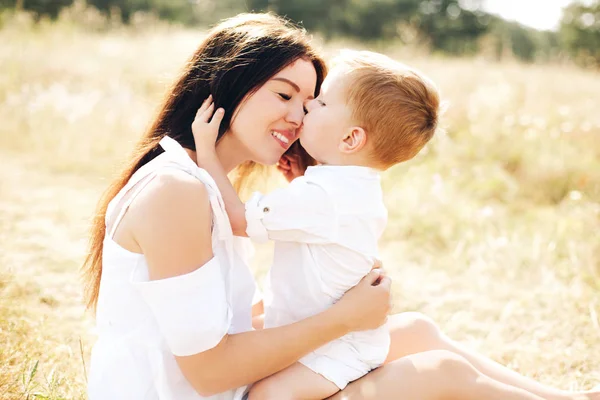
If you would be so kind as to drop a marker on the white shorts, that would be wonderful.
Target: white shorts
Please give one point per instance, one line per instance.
(352, 356)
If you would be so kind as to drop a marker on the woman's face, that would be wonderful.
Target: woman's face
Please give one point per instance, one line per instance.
(267, 122)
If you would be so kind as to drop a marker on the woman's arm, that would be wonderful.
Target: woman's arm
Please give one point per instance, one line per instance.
(171, 223)
(248, 357)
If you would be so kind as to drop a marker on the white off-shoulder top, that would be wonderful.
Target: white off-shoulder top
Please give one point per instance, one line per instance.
(143, 324)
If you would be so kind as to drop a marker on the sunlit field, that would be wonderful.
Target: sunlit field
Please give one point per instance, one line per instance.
(494, 229)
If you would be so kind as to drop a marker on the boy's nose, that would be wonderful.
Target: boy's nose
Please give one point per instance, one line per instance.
(309, 105)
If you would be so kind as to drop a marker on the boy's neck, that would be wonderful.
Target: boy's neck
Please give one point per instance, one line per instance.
(356, 160)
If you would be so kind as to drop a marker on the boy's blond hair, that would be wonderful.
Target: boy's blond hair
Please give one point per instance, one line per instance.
(396, 105)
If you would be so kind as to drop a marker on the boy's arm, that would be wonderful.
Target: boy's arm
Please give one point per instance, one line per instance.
(233, 205)
(302, 212)
(205, 129)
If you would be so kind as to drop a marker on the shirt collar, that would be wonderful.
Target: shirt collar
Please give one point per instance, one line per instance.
(344, 170)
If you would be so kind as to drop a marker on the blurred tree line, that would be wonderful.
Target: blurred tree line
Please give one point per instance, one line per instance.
(450, 26)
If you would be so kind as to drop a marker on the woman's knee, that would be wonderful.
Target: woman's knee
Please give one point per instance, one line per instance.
(431, 375)
(452, 364)
(416, 329)
(453, 371)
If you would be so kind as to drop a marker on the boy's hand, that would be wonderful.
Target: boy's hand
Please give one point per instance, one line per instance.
(289, 166)
(206, 128)
(294, 162)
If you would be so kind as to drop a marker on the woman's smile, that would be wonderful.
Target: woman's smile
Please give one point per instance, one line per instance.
(284, 138)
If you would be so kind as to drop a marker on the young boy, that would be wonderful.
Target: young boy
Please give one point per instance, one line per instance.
(371, 114)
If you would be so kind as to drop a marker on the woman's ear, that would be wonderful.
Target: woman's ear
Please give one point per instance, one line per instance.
(354, 140)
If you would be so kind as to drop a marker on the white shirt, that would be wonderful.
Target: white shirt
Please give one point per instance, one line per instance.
(326, 225)
(142, 324)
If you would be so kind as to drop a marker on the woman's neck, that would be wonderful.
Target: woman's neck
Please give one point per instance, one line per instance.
(230, 152)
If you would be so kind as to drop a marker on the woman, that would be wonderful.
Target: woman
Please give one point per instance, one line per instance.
(172, 291)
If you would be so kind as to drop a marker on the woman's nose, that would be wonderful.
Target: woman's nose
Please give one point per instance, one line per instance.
(296, 115)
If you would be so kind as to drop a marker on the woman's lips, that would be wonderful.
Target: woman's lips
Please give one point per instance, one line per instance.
(284, 138)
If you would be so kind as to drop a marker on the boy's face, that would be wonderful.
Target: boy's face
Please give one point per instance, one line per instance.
(327, 120)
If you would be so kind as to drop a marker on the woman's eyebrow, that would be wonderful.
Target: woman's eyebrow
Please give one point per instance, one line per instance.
(292, 84)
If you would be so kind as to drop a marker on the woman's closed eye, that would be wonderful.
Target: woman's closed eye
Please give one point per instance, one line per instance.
(285, 96)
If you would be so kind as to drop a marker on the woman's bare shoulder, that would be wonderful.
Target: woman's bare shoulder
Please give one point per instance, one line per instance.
(171, 222)
(172, 192)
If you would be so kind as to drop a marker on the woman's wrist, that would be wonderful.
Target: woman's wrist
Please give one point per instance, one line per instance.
(336, 318)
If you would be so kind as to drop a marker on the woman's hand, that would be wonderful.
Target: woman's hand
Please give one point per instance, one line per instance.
(206, 128)
(367, 305)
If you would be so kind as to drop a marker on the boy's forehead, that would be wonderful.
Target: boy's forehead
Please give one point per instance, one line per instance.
(336, 79)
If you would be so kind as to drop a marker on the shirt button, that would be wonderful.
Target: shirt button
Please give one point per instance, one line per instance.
(266, 210)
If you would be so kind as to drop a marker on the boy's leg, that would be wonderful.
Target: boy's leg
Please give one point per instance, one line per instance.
(414, 333)
(295, 382)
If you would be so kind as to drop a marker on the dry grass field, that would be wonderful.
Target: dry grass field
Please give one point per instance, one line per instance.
(494, 230)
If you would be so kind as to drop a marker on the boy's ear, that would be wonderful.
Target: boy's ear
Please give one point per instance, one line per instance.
(354, 140)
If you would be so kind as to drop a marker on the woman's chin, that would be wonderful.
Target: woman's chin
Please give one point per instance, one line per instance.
(269, 159)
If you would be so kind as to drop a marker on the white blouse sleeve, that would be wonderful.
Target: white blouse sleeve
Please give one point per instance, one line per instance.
(303, 212)
(192, 310)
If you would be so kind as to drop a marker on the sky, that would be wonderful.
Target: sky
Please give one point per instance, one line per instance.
(539, 14)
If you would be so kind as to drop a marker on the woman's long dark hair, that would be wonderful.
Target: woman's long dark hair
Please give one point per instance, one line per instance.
(236, 58)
